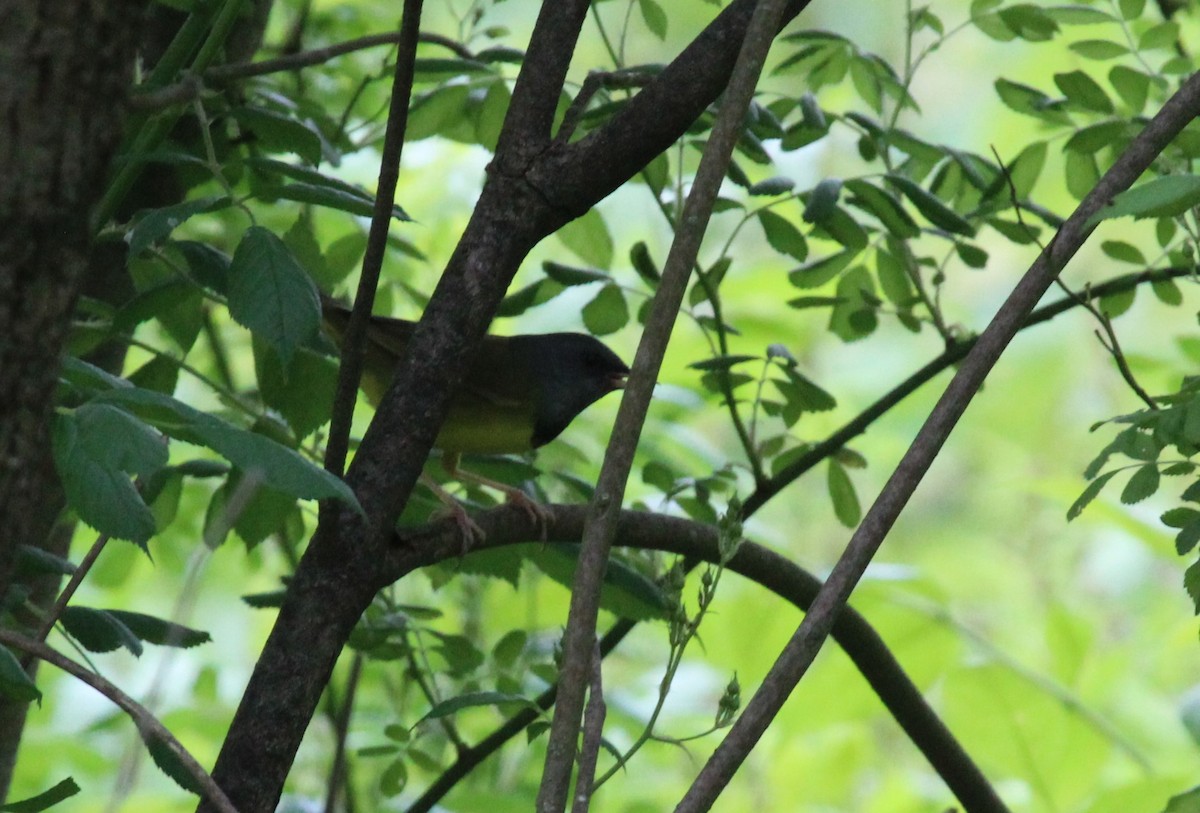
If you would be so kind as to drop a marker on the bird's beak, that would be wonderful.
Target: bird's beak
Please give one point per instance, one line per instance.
(616, 381)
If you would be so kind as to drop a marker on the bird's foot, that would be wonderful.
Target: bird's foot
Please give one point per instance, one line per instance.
(539, 514)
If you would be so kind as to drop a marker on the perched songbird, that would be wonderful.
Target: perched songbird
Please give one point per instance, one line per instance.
(519, 392)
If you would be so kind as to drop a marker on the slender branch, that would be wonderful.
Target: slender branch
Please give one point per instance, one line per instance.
(947, 359)
(341, 729)
(503, 526)
(354, 343)
(578, 640)
(593, 730)
(56, 610)
(147, 724)
(802, 649)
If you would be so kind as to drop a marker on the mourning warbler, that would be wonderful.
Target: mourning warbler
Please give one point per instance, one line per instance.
(519, 392)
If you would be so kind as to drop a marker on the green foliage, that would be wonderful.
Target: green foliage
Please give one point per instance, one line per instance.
(858, 236)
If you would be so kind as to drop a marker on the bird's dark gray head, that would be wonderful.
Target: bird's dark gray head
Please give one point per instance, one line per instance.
(572, 371)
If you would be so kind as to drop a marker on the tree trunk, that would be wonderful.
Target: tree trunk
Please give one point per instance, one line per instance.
(65, 68)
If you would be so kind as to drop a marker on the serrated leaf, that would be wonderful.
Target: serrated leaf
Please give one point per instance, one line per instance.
(1141, 485)
(279, 133)
(158, 631)
(93, 468)
(1090, 493)
(474, 699)
(152, 226)
(270, 293)
(169, 763)
(1191, 583)
(282, 468)
(1187, 538)
(44, 800)
(15, 684)
(98, 630)
(302, 391)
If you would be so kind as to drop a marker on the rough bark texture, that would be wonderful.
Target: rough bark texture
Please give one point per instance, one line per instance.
(65, 67)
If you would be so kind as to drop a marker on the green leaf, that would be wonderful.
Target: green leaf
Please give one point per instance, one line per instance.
(476, 699)
(1131, 85)
(1098, 49)
(588, 239)
(1090, 493)
(1028, 22)
(1082, 173)
(1166, 196)
(822, 202)
(778, 185)
(44, 800)
(152, 226)
(782, 235)
(929, 205)
(170, 764)
(1187, 538)
(643, 264)
(654, 17)
(98, 630)
(1141, 485)
(1188, 801)
(607, 312)
(894, 280)
(1083, 92)
(394, 778)
(276, 132)
(1191, 583)
(1030, 101)
(1123, 252)
(819, 272)
(281, 468)
(1167, 292)
(1026, 168)
(15, 684)
(157, 631)
(625, 591)
(270, 293)
(1164, 35)
(567, 276)
(971, 255)
(885, 206)
(95, 449)
(314, 187)
(841, 492)
(302, 391)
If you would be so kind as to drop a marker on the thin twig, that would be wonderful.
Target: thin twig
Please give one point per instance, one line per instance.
(593, 730)
(147, 724)
(341, 729)
(1113, 346)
